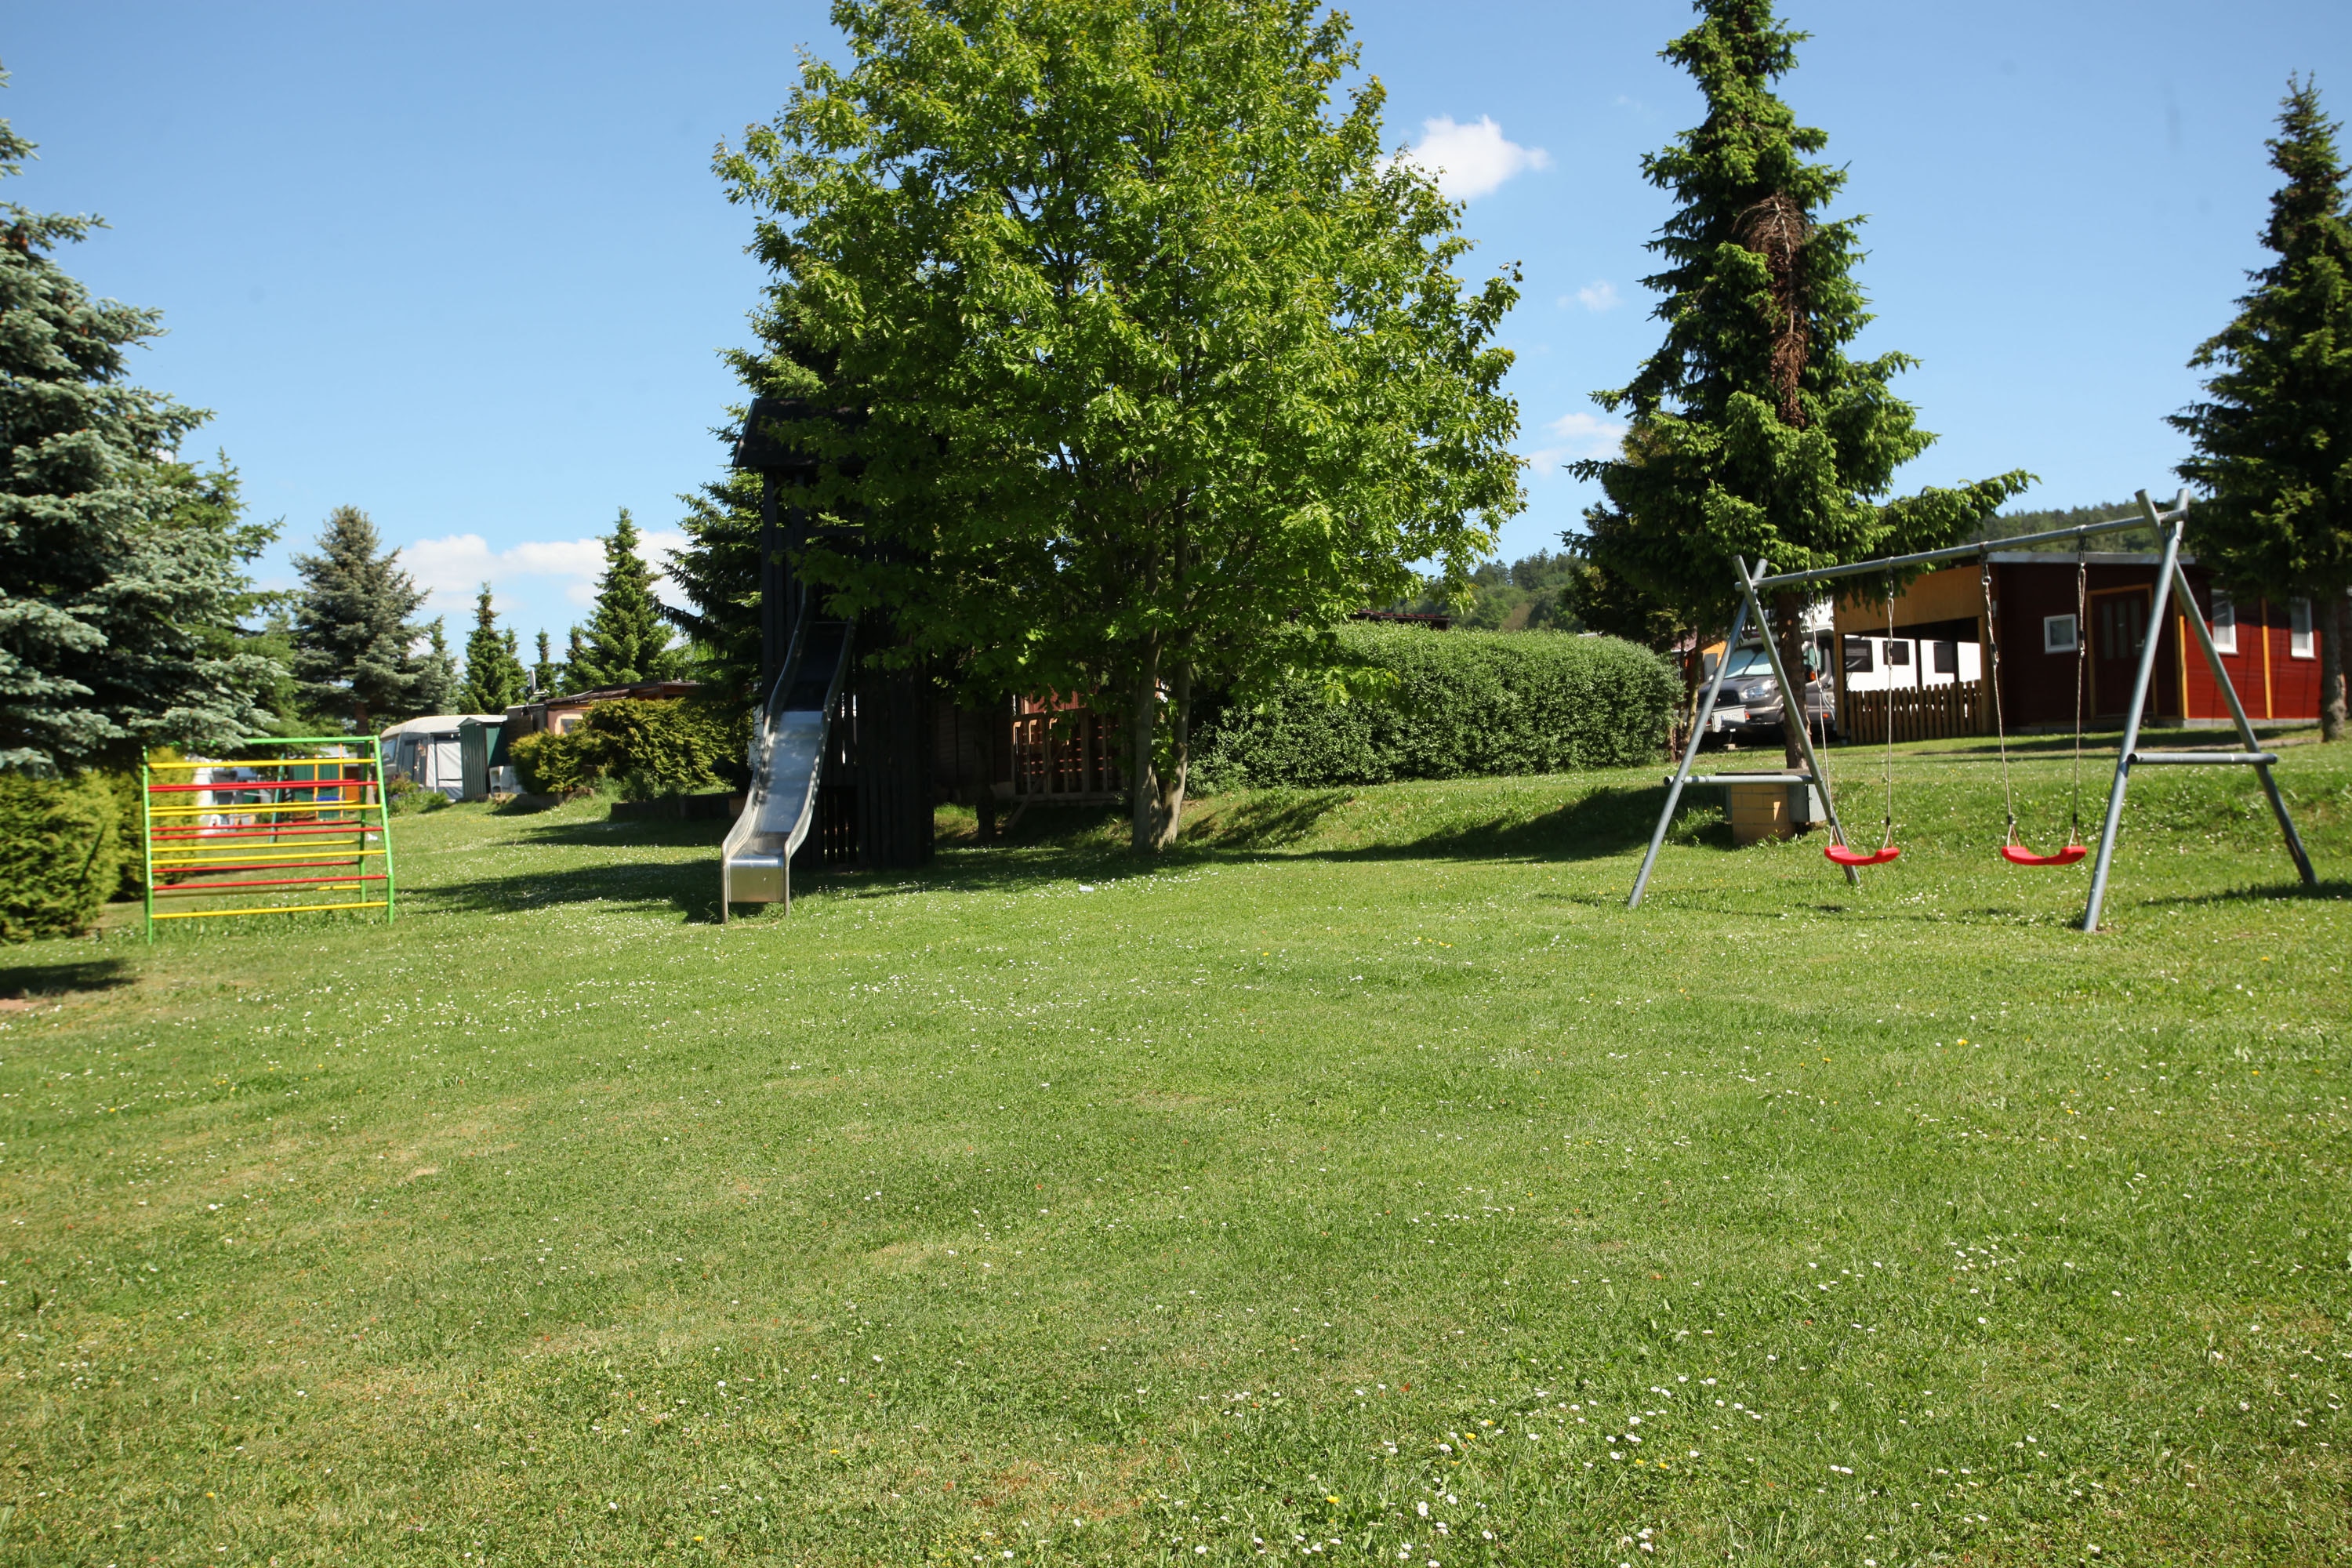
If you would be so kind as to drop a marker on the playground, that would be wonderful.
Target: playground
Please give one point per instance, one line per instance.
(1361, 1181)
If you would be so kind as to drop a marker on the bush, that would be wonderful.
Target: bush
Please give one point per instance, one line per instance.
(123, 784)
(655, 749)
(1464, 704)
(60, 854)
(648, 750)
(405, 797)
(550, 763)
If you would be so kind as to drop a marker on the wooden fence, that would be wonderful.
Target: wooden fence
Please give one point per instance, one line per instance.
(1921, 713)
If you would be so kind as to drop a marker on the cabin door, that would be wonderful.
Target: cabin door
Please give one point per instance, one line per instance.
(2118, 633)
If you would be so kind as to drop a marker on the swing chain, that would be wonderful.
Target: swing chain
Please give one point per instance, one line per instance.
(1999, 722)
(2082, 674)
(1886, 823)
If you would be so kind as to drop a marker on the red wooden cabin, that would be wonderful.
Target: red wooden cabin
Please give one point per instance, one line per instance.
(2270, 648)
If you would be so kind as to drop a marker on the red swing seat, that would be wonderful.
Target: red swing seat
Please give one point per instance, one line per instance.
(2019, 854)
(1840, 855)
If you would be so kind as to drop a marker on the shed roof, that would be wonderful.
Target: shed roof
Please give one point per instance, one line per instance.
(440, 724)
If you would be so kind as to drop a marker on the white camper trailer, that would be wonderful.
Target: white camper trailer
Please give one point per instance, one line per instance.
(431, 750)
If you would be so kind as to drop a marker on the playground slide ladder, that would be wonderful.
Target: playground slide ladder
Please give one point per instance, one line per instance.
(755, 864)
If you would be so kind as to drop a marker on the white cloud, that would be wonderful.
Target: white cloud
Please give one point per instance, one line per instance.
(453, 568)
(1470, 160)
(1574, 435)
(1599, 295)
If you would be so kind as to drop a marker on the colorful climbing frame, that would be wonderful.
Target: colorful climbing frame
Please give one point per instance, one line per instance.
(268, 834)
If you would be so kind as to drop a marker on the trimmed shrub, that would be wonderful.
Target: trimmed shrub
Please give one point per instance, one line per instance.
(1463, 704)
(656, 749)
(550, 763)
(648, 750)
(60, 854)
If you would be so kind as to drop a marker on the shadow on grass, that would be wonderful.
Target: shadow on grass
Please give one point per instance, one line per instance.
(664, 832)
(689, 887)
(1049, 844)
(689, 890)
(1275, 820)
(62, 977)
(1279, 826)
(2330, 887)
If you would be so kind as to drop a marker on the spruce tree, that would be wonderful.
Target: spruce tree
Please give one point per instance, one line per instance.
(355, 634)
(2273, 434)
(1752, 433)
(437, 688)
(627, 639)
(546, 675)
(717, 571)
(121, 580)
(494, 677)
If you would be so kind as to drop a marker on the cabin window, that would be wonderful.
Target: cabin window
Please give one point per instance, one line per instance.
(1897, 653)
(1857, 656)
(2059, 634)
(2298, 630)
(1947, 658)
(2224, 623)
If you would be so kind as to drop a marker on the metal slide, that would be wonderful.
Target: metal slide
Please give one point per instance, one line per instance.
(755, 865)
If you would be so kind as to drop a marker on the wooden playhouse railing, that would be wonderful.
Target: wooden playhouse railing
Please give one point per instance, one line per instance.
(1064, 753)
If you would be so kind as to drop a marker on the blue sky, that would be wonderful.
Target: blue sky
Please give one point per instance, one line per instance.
(466, 266)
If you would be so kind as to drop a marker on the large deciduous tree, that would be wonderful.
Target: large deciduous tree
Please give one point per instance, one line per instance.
(355, 636)
(2274, 433)
(1160, 364)
(1752, 433)
(121, 568)
(627, 639)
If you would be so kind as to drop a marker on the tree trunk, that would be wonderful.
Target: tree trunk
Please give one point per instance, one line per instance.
(2333, 618)
(1179, 776)
(1157, 799)
(1787, 614)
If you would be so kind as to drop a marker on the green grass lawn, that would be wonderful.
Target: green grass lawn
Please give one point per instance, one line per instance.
(1359, 1183)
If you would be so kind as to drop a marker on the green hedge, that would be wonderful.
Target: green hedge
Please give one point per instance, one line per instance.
(647, 749)
(1463, 703)
(60, 854)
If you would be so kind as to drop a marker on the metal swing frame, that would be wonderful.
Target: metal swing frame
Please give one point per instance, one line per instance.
(2169, 574)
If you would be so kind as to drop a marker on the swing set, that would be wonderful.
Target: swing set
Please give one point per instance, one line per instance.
(1841, 852)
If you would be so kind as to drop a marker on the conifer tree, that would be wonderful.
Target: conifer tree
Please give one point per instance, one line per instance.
(575, 661)
(626, 638)
(494, 676)
(121, 581)
(2273, 434)
(546, 675)
(1751, 431)
(354, 634)
(437, 677)
(717, 571)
